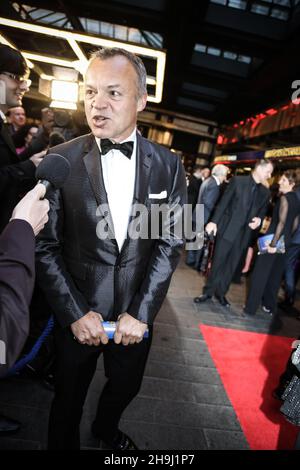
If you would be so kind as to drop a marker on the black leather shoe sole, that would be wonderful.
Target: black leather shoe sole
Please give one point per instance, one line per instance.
(223, 301)
(122, 442)
(202, 298)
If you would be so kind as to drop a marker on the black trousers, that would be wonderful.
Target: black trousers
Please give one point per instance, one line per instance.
(226, 258)
(265, 282)
(75, 367)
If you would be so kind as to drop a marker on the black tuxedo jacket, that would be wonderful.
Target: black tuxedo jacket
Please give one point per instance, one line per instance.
(232, 214)
(17, 274)
(80, 272)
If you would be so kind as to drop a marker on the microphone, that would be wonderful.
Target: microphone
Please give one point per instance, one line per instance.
(110, 328)
(53, 171)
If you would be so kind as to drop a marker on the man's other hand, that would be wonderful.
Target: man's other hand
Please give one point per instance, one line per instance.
(32, 209)
(89, 330)
(255, 223)
(129, 330)
(211, 227)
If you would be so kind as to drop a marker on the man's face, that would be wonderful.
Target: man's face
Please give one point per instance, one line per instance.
(14, 91)
(111, 98)
(17, 116)
(265, 172)
(205, 173)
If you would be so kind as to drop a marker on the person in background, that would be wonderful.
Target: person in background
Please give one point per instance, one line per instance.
(17, 172)
(23, 137)
(205, 172)
(209, 194)
(16, 118)
(292, 258)
(269, 268)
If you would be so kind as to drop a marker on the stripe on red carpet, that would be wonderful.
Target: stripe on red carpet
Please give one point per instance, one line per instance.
(250, 365)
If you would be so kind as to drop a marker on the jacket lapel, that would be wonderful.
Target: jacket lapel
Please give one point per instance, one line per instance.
(143, 169)
(142, 175)
(93, 167)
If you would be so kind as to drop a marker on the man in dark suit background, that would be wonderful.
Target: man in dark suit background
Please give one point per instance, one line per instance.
(196, 179)
(209, 194)
(89, 276)
(210, 190)
(240, 210)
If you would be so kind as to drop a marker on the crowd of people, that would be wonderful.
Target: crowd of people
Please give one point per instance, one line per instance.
(235, 212)
(86, 280)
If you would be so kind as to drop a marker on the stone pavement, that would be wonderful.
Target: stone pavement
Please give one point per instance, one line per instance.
(182, 403)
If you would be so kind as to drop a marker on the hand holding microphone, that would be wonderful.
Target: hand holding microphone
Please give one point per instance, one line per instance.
(33, 208)
(52, 173)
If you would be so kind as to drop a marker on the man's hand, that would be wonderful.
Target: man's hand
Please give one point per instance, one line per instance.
(89, 329)
(129, 330)
(255, 223)
(211, 227)
(32, 209)
(38, 157)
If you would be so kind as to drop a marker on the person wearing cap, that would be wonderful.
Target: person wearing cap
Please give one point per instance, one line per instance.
(16, 171)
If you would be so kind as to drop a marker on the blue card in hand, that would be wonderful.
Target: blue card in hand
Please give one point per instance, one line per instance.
(264, 241)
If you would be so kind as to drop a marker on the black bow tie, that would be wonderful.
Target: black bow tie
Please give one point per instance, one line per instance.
(126, 148)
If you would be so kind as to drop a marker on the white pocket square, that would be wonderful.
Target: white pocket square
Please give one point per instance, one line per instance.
(161, 195)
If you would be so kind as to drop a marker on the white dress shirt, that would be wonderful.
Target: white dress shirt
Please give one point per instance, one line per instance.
(216, 179)
(2, 116)
(119, 179)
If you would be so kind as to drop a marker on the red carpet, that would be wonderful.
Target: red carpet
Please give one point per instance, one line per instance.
(249, 365)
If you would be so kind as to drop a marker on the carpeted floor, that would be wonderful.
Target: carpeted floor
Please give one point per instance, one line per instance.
(249, 365)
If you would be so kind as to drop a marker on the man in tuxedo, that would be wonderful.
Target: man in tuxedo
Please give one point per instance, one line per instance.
(89, 276)
(240, 210)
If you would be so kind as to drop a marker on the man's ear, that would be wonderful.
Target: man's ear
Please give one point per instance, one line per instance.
(142, 101)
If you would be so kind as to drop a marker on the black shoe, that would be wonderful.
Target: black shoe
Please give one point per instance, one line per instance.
(202, 298)
(8, 425)
(267, 310)
(222, 300)
(121, 442)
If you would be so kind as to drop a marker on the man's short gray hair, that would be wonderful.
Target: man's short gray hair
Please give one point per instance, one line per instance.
(109, 52)
(219, 170)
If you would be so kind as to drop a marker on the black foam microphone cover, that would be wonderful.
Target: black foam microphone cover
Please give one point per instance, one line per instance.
(53, 169)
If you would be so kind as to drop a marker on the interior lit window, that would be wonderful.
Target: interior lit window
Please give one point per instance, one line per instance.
(200, 48)
(279, 14)
(219, 2)
(244, 58)
(240, 4)
(213, 51)
(229, 55)
(260, 9)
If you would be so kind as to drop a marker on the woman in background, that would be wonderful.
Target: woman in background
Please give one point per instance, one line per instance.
(269, 268)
